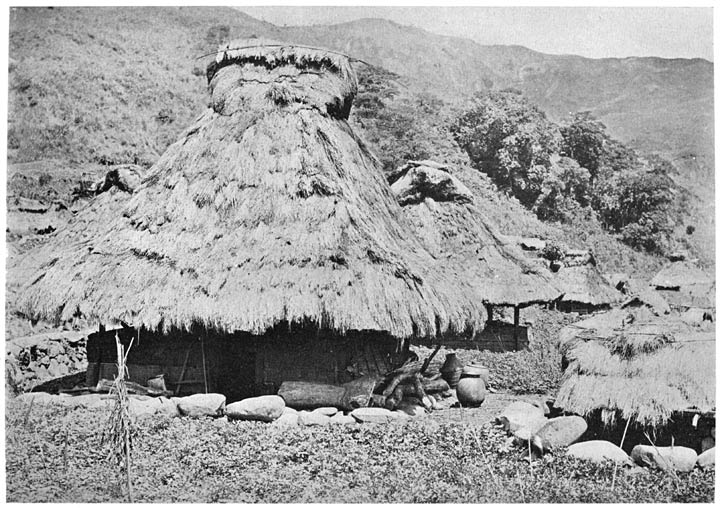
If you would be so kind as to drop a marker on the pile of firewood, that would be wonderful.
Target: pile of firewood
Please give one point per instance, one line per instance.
(413, 382)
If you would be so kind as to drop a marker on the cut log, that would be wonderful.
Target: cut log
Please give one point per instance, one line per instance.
(305, 395)
(352, 395)
(435, 385)
(399, 378)
(358, 393)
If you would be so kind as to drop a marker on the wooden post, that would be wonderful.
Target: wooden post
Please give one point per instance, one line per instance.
(490, 313)
(202, 348)
(516, 331)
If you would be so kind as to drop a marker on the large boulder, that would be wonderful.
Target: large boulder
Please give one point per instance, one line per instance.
(522, 435)
(666, 458)
(38, 398)
(559, 432)
(423, 181)
(266, 408)
(201, 404)
(706, 459)
(146, 406)
(327, 411)
(520, 414)
(287, 420)
(374, 415)
(599, 451)
(312, 419)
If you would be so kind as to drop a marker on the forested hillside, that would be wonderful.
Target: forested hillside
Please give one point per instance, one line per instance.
(95, 87)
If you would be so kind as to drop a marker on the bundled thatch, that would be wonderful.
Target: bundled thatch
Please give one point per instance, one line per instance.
(454, 229)
(269, 70)
(268, 209)
(634, 365)
(680, 274)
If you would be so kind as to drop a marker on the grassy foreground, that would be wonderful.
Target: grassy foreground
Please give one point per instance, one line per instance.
(54, 454)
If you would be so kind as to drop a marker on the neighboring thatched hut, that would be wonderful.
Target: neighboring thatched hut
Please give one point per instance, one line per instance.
(634, 366)
(584, 289)
(685, 286)
(454, 229)
(265, 244)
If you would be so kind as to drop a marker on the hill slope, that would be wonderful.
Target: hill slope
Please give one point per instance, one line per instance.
(92, 86)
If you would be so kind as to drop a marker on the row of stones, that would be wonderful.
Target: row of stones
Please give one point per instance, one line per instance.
(527, 424)
(267, 408)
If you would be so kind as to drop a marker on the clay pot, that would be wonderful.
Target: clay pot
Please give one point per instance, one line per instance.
(471, 389)
(451, 370)
(477, 369)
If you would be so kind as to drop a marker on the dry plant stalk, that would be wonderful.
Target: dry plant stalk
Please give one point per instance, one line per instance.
(118, 433)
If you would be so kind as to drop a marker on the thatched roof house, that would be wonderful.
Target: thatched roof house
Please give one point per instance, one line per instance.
(685, 286)
(680, 274)
(446, 216)
(453, 228)
(584, 289)
(633, 365)
(268, 210)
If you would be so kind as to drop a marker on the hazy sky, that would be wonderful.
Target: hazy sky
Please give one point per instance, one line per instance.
(594, 32)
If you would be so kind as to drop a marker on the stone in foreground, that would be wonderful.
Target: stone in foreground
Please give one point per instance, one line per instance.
(373, 415)
(266, 408)
(311, 419)
(666, 458)
(559, 432)
(520, 414)
(706, 459)
(327, 411)
(599, 451)
(287, 420)
(201, 404)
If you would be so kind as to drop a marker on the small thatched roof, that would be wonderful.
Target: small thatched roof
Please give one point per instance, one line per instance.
(585, 284)
(444, 214)
(680, 274)
(634, 365)
(268, 209)
(700, 296)
(649, 298)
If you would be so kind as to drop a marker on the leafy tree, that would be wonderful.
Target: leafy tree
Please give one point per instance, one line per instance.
(510, 139)
(639, 205)
(565, 189)
(585, 139)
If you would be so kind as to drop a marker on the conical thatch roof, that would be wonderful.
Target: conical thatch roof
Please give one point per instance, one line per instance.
(633, 364)
(444, 214)
(267, 209)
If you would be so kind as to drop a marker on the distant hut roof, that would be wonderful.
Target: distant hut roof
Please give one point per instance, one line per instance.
(633, 365)
(268, 209)
(584, 284)
(649, 298)
(700, 296)
(443, 212)
(680, 274)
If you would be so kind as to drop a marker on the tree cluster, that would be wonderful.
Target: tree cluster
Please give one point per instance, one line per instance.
(561, 171)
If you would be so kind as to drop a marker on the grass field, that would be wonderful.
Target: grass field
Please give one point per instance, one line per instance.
(55, 454)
